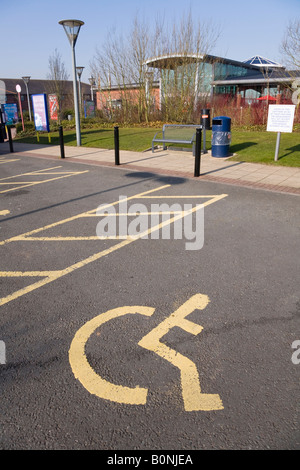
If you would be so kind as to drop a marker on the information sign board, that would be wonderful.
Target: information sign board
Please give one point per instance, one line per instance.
(40, 112)
(281, 118)
(10, 113)
(53, 107)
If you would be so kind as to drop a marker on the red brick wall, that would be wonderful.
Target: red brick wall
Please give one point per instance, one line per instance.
(103, 98)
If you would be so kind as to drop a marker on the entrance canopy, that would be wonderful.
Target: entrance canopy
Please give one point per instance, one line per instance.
(172, 61)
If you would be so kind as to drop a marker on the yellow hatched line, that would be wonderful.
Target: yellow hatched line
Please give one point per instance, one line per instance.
(9, 161)
(42, 182)
(74, 217)
(30, 173)
(50, 276)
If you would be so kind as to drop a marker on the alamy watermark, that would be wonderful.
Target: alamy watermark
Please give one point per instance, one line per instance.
(2, 353)
(296, 92)
(162, 221)
(296, 355)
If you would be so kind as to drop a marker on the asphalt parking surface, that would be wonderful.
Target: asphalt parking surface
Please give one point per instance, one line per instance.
(238, 297)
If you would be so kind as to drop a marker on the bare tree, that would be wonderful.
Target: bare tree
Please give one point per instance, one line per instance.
(185, 79)
(290, 46)
(58, 75)
(122, 61)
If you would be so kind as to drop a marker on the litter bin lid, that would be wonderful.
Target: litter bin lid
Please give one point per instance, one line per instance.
(223, 121)
(221, 118)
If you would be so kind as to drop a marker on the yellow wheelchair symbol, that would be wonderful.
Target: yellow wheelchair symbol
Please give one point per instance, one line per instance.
(193, 398)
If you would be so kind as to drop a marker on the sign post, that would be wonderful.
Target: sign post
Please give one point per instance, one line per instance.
(280, 119)
(18, 88)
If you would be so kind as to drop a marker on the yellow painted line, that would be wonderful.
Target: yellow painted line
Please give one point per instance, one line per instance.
(5, 212)
(57, 274)
(95, 384)
(53, 275)
(78, 216)
(179, 197)
(9, 161)
(193, 398)
(43, 181)
(119, 214)
(30, 173)
(67, 239)
(27, 273)
(16, 182)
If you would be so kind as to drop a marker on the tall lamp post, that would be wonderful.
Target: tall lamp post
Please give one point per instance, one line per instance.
(26, 81)
(79, 71)
(72, 28)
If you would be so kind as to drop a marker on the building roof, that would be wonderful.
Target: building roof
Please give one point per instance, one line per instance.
(273, 76)
(171, 61)
(262, 62)
(39, 86)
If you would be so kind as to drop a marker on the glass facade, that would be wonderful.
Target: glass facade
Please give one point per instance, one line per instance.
(190, 77)
(224, 71)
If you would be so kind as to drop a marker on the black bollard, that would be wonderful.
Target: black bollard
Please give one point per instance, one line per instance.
(117, 152)
(11, 148)
(61, 142)
(198, 152)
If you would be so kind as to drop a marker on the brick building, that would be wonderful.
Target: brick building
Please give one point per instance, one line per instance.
(38, 87)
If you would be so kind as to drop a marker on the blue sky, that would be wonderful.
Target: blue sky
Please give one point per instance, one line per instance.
(30, 31)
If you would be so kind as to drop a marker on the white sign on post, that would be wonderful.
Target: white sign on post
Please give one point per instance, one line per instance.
(280, 119)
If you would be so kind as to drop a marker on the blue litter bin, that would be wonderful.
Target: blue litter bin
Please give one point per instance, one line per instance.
(221, 136)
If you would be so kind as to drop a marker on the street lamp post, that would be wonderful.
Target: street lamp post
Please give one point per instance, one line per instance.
(79, 71)
(72, 28)
(26, 81)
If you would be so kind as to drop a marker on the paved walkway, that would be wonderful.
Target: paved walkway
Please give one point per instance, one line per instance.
(176, 163)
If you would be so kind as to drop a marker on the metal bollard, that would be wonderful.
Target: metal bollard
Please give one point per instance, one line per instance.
(117, 151)
(61, 142)
(198, 152)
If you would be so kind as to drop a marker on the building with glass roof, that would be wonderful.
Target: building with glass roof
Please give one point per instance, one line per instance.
(181, 81)
(211, 75)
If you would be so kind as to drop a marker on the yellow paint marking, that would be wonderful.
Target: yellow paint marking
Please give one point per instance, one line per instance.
(78, 216)
(30, 173)
(42, 181)
(27, 273)
(5, 212)
(53, 275)
(9, 161)
(194, 399)
(197, 196)
(84, 372)
(127, 214)
(16, 182)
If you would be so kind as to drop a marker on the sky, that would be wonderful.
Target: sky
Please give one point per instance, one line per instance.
(30, 31)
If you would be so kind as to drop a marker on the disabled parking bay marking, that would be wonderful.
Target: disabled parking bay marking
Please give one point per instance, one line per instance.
(193, 398)
(45, 172)
(49, 276)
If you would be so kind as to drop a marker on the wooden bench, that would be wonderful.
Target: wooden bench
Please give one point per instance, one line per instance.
(176, 134)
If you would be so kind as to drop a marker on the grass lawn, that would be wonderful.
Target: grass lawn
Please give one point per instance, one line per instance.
(259, 147)
(249, 146)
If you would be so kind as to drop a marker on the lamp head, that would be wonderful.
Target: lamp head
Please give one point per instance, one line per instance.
(72, 28)
(79, 71)
(26, 79)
